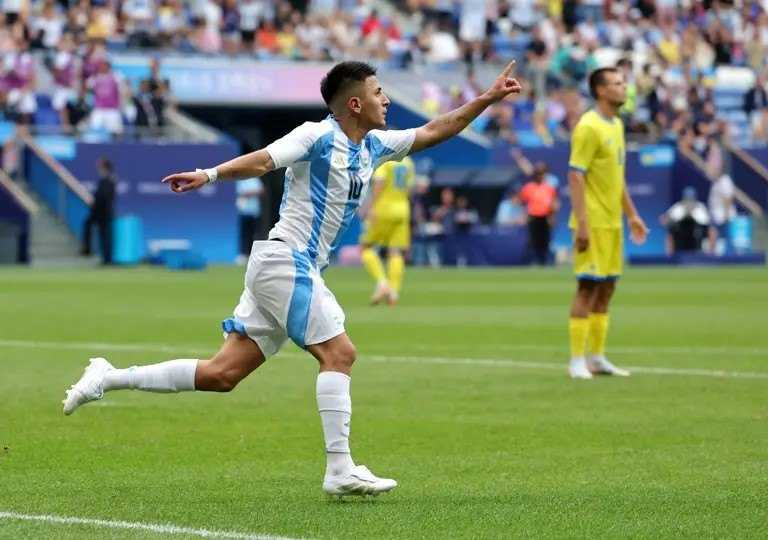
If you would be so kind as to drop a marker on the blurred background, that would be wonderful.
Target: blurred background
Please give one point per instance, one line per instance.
(100, 99)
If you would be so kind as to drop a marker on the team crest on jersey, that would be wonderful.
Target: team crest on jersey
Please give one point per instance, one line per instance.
(339, 160)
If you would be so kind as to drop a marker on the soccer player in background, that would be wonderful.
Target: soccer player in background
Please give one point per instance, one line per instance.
(599, 198)
(329, 168)
(388, 225)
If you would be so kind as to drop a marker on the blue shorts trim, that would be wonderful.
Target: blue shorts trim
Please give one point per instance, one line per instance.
(590, 277)
(575, 168)
(298, 311)
(233, 325)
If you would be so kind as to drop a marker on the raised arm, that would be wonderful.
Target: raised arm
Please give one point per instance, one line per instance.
(451, 123)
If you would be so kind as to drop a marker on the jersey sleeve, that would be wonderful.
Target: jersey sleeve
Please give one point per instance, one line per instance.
(391, 145)
(584, 144)
(294, 147)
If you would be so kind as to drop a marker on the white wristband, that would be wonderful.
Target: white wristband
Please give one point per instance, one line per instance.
(212, 174)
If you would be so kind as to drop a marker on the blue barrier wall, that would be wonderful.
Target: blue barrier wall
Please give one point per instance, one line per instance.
(207, 217)
(13, 213)
(649, 173)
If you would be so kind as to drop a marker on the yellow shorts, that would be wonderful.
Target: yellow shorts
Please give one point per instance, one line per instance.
(603, 258)
(385, 232)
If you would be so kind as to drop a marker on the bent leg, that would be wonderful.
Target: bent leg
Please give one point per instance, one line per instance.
(237, 358)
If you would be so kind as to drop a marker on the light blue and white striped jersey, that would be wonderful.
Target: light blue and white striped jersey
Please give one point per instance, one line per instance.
(327, 176)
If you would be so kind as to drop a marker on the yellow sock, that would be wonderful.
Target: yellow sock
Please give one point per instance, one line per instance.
(598, 332)
(578, 330)
(373, 265)
(395, 270)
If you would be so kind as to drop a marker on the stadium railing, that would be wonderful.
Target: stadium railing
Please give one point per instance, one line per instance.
(58, 188)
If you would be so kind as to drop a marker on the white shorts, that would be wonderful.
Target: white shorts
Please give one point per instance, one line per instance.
(61, 96)
(23, 100)
(107, 119)
(284, 297)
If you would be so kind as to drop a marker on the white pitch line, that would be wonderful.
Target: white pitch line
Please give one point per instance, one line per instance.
(131, 525)
(440, 360)
(497, 362)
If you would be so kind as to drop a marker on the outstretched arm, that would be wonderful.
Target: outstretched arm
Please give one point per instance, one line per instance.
(451, 123)
(249, 165)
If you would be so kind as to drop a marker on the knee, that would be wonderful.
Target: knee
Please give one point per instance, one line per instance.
(343, 357)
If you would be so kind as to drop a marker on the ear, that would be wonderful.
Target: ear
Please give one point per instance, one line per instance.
(354, 104)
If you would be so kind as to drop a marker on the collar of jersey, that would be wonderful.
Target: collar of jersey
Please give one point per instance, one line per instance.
(350, 142)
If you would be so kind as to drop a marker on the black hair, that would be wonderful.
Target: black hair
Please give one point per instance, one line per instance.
(106, 163)
(341, 76)
(597, 78)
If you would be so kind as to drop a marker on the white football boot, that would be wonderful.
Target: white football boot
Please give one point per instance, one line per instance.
(599, 365)
(358, 481)
(90, 387)
(577, 369)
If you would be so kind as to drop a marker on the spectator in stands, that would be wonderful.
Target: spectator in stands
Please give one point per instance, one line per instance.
(721, 210)
(686, 222)
(500, 122)
(149, 113)
(472, 28)
(19, 78)
(755, 105)
(102, 212)
(47, 27)
(510, 213)
(249, 193)
(63, 67)
(139, 23)
(542, 204)
(230, 27)
(171, 22)
(106, 89)
(79, 109)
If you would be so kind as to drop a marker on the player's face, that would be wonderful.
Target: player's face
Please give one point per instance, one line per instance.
(615, 89)
(374, 103)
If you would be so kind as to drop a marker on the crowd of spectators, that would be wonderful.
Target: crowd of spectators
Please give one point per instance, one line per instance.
(80, 89)
(669, 50)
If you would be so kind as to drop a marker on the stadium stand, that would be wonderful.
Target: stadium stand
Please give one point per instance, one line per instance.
(112, 72)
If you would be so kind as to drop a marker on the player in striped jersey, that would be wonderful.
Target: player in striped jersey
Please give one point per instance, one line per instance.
(329, 166)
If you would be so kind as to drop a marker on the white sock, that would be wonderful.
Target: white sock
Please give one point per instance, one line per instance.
(335, 406)
(170, 376)
(578, 361)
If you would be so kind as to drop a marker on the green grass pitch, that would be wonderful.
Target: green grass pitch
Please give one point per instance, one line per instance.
(460, 393)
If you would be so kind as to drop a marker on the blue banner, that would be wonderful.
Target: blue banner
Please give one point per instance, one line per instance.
(206, 217)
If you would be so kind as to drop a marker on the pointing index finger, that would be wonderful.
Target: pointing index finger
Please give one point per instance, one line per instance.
(509, 69)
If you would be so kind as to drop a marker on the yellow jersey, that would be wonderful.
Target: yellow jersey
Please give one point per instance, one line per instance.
(598, 150)
(395, 180)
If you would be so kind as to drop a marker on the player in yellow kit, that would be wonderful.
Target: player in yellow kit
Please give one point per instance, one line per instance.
(388, 225)
(599, 198)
